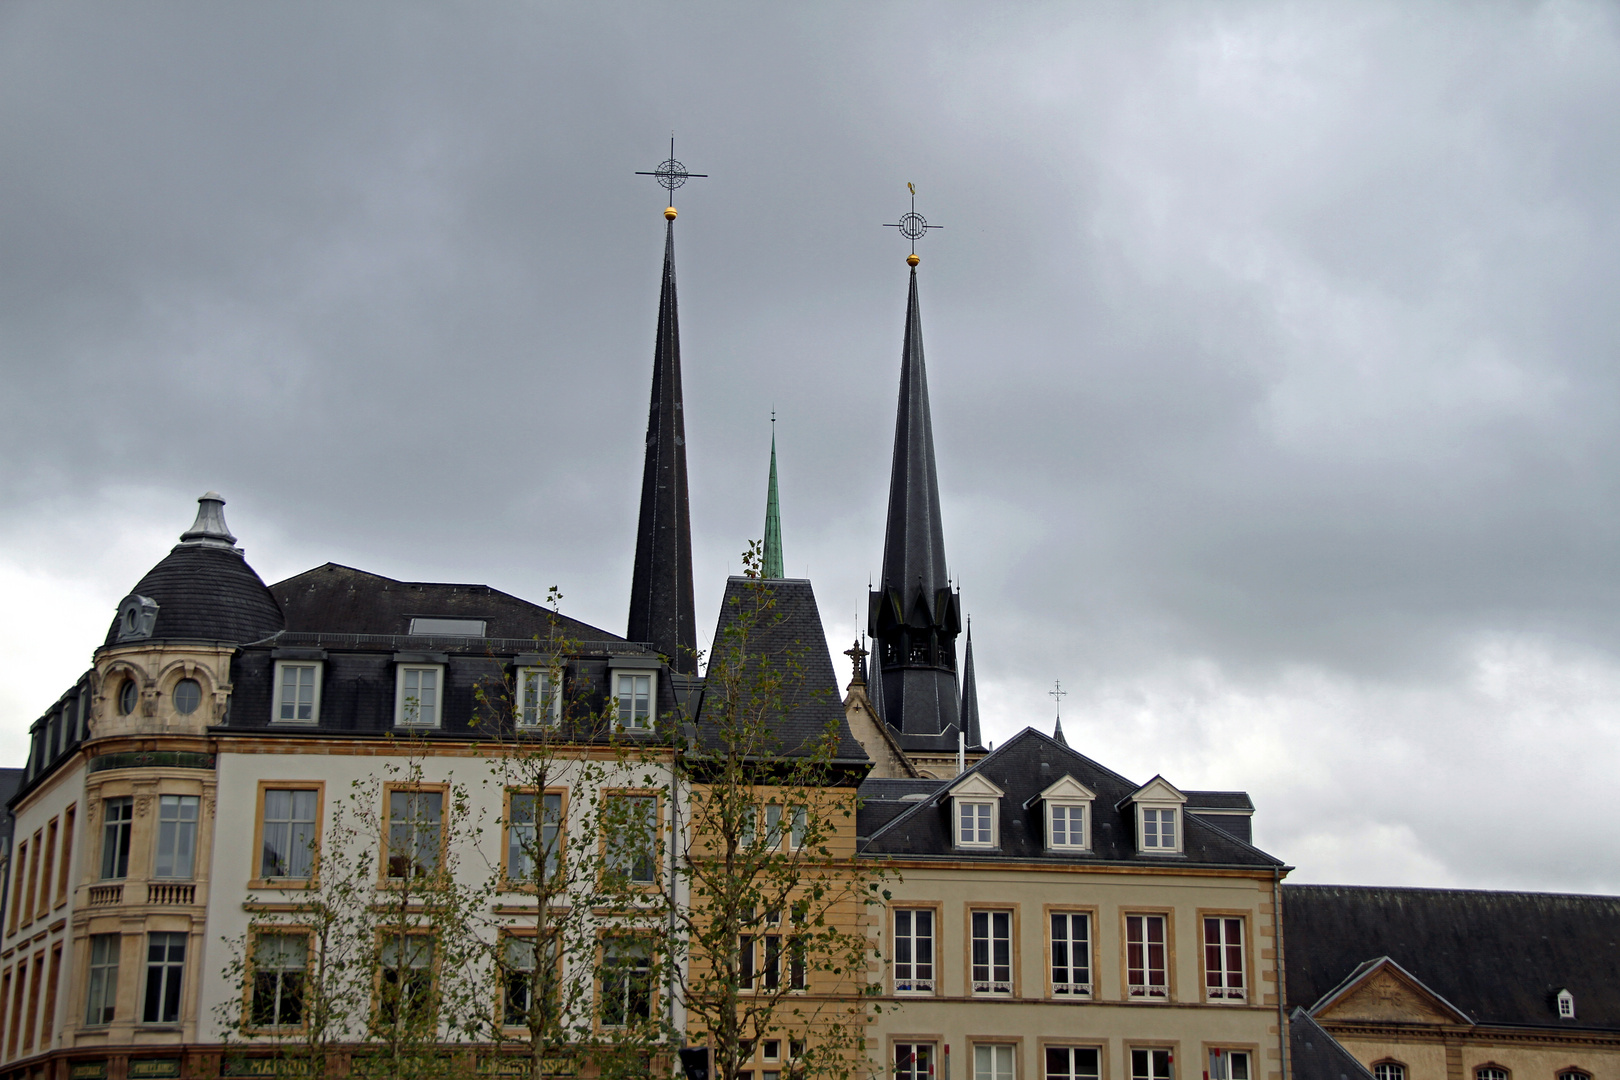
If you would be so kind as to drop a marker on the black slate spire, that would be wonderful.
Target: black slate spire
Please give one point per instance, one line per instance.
(914, 613)
(970, 694)
(661, 607)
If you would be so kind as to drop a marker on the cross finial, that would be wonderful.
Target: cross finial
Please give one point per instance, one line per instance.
(1057, 694)
(912, 225)
(671, 174)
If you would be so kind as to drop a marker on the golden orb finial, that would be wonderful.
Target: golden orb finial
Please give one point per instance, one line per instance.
(912, 259)
(669, 213)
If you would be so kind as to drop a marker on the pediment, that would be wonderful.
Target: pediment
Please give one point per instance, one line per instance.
(1068, 787)
(1158, 790)
(1387, 993)
(977, 784)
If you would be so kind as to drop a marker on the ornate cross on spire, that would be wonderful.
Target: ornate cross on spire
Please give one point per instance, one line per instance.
(1057, 694)
(912, 225)
(671, 175)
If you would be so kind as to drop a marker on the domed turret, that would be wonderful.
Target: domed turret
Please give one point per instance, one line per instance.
(204, 590)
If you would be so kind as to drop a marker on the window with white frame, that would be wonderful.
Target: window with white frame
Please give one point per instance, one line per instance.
(1071, 954)
(1389, 1070)
(1066, 826)
(177, 836)
(1150, 1064)
(533, 832)
(418, 693)
(914, 951)
(975, 823)
(914, 1061)
(1223, 959)
(297, 692)
(992, 952)
(539, 696)
(1073, 1063)
(1146, 974)
(1566, 1005)
(1229, 1065)
(279, 965)
(288, 833)
(633, 700)
(1159, 830)
(993, 1062)
(101, 1000)
(1490, 1072)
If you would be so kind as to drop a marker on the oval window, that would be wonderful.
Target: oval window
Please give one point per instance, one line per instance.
(128, 694)
(187, 696)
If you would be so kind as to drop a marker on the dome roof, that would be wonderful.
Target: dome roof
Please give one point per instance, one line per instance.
(203, 590)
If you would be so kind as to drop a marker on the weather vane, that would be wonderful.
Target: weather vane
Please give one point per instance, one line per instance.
(1057, 694)
(671, 175)
(913, 226)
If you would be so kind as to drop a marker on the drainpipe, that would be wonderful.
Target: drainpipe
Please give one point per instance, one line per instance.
(1282, 986)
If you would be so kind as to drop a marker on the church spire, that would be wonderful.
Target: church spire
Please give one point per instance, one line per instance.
(661, 607)
(914, 612)
(771, 564)
(970, 694)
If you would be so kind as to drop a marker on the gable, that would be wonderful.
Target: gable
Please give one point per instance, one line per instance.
(1068, 787)
(1387, 994)
(977, 784)
(1158, 790)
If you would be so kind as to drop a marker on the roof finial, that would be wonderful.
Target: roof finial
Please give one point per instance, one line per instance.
(1057, 694)
(912, 225)
(209, 530)
(671, 175)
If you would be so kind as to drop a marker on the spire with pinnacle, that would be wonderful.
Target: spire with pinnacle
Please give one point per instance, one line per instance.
(970, 693)
(661, 607)
(914, 614)
(771, 564)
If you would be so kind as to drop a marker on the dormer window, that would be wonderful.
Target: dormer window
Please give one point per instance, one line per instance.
(539, 696)
(974, 813)
(1566, 1005)
(1159, 821)
(1068, 815)
(634, 686)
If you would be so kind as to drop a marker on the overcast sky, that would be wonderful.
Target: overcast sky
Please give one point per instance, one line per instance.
(1272, 350)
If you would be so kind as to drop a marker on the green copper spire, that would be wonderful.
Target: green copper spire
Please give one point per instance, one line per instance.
(772, 565)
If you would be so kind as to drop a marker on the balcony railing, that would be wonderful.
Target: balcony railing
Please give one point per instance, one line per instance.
(170, 894)
(104, 895)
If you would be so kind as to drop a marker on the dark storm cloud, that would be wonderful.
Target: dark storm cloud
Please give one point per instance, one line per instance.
(1271, 347)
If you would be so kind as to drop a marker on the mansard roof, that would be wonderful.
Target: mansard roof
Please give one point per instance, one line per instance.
(1499, 957)
(1023, 767)
(781, 627)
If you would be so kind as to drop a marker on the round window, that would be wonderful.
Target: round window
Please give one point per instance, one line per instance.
(128, 694)
(187, 696)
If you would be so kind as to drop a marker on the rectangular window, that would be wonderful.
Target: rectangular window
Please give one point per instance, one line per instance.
(279, 964)
(1145, 971)
(914, 952)
(799, 827)
(745, 961)
(288, 836)
(103, 995)
(1150, 1065)
(1223, 959)
(976, 823)
(415, 833)
(19, 882)
(525, 978)
(65, 870)
(177, 836)
(529, 841)
(47, 871)
(1158, 830)
(632, 838)
(418, 696)
(1071, 954)
(992, 952)
(17, 1008)
(51, 982)
(1228, 1065)
(117, 816)
(914, 1061)
(796, 963)
(32, 1023)
(633, 701)
(626, 981)
(27, 896)
(165, 967)
(298, 693)
(1073, 1063)
(539, 701)
(405, 993)
(1067, 825)
(994, 1062)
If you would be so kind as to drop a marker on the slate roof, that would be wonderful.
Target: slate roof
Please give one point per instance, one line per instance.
(787, 631)
(206, 593)
(884, 799)
(1218, 800)
(1500, 957)
(1316, 1055)
(339, 599)
(1023, 767)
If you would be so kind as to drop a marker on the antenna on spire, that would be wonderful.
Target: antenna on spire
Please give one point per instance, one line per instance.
(912, 225)
(672, 174)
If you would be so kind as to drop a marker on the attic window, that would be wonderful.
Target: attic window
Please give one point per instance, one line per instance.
(1566, 1005)
(448, 627)
(975, 803)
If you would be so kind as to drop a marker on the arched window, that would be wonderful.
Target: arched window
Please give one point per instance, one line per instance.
(1574, 1074)
(1490, 1072)
(1389, 1070)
